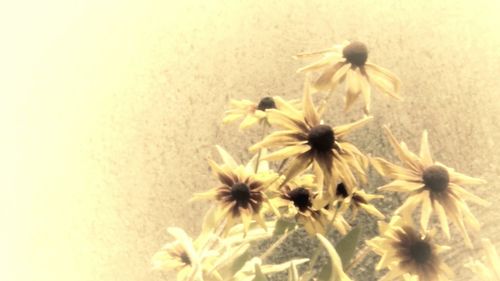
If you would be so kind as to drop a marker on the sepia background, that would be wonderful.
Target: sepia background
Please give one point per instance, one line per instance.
(110, 108)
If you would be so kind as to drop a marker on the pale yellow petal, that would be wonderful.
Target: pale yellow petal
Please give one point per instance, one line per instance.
(226, 157)
(299, 164)
(426, 210)
(332, 76)
(425, 153)
(366, 91)
(249, 121)
(468, 196)
(401, 186)
(443, 220)
(310, 113)
(287, 152)
(343, 130)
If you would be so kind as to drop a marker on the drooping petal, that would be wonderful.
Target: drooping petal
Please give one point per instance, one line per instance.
(401, 186)
(330, 59)
(287, 152)
(353, 88)
(367, 93)
(332, 76)
(426, 210)
(299, 164)
(280, 138)
(384, 80)
(443, 220)
(468, 196)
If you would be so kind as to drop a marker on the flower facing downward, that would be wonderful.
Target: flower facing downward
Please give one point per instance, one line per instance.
(241, 192)
(407, 253)
(308, 141)
(251, 112)
(349, 62)
(310, 211)
(489, 270)
(179, 255)
(358, 200)
(432, 184)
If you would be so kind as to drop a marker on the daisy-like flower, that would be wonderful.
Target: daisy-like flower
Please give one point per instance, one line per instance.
(489, 270)
(310, 211)
(307, 140)
(407, 253)
(357, 200)
(432, 184)
(349, 62)
(241, 194)
(252, 113)
(181, 256)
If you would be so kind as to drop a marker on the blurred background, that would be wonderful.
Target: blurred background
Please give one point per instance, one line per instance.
(110, 108)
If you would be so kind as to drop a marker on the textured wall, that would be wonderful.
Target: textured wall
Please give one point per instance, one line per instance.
(112, 108)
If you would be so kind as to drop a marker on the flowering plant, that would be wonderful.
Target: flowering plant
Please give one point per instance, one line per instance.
(305, 174)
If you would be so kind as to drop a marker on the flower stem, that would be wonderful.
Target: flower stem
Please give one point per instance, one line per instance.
(317, 252)
(359, 258)
(322, 106)
(276, 244)
(264, 131)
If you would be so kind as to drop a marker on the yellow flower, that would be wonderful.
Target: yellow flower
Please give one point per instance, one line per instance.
(432, 184)
(179, 255)
(251, 112)
(309, 210)
(241, 193)
(407, 253)
(358, 199)
(489, 270)
(349, 62)
(307, 140)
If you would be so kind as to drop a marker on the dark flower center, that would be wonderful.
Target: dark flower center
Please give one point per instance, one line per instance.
(341, 190)
(420, 251)
(301, 198)
(356, 53)
(185, 258)
(240, 193)
(321, 138)
(266, 103)
(436, 178)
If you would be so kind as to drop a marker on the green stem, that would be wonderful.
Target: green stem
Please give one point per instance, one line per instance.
(264, 131)
(276, 244)
(318, 250)
(359, 257)
(322, 106)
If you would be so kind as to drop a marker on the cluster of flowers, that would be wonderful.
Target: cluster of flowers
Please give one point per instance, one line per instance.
(318, 181)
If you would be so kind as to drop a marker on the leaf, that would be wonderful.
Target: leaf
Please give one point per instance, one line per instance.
(345, 249)
(333, 270)
(347, 245)
(282, 226)
(259, 276)
(240, 262)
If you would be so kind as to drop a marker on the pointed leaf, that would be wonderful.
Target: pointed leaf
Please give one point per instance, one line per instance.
(259, 276)
(347, 245)
(239, 262)
(282, 226)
